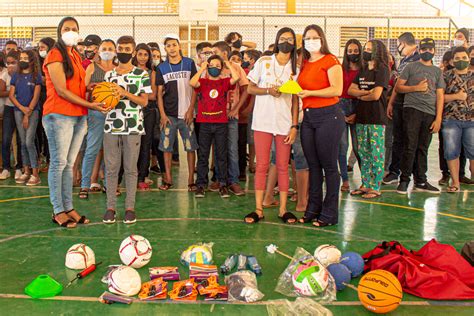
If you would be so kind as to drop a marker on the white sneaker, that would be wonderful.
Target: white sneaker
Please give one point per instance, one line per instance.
(33, 181)
(18, 174)
(5, 174)
(22, 179)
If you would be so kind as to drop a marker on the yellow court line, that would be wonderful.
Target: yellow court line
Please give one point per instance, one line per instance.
(411, 208)
(24, 198)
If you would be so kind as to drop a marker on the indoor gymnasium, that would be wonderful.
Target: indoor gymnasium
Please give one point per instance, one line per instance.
(234, 157)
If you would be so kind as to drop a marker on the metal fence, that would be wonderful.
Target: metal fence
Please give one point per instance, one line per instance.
(259, 29)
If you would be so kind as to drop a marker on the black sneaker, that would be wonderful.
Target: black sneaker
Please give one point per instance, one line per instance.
(224, 192)
(426, 187)
(466, 180)
(390, 179)
(109, 217)
(200, 193)
(402, 188)
(130, 217)
(155, 169)
(444, 180)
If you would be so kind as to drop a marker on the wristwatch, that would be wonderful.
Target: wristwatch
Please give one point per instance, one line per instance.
(295, 126)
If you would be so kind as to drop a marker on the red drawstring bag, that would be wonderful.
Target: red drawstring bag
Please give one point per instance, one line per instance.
(435, 272)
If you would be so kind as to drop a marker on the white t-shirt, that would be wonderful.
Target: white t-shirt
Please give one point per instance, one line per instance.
(270, 114)
(7, 78)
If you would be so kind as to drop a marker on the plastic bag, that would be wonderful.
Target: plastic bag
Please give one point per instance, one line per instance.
(198, 253)
(242, 287)
(302, 306)
(293, 281)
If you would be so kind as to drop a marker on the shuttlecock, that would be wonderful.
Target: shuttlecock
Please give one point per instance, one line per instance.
(271, 248)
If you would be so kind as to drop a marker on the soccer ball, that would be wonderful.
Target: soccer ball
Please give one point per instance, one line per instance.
(79, 257)
(125, 281)
(135, 251)
(199, 253)
(327, 254)
(309, 278)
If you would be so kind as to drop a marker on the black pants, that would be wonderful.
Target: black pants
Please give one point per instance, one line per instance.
(416, 141)
(242, 148)
(212, 133)
(155, 143)
(443, 165)
(149, 120)
(321, 132)
(397, 144)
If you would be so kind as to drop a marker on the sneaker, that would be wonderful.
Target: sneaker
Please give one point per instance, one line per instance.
(33, 181)
(22, 179)
(426, 187)
(130, 217)
(143, 186)
(402, 188)
(5, 174)
(466, 180)
(148, 181)
(214, 187)
(444, 180)
(390, 179)
(236, 189)
(109, 217)
(224, 192)
(155, 169)
(200, 193)
(18, 174)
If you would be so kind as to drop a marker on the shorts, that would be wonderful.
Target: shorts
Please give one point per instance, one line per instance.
(298, 155)
(170, 133)
(456, 134)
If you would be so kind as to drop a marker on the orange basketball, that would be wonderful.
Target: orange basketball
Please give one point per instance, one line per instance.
(380, 291)
(104, 93)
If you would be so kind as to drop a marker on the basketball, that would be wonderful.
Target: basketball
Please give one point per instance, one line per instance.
(380, 291)
(104, 93)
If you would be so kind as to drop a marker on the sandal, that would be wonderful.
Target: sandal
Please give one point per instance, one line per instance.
(84, 194)
(372, 194)
(360, 191)
(306, 219)
(254, 215)
(77, 218)
(319, 223)
(453, 189)
(95, 187)
(165, 186)
(273, 204)
(69, 223)
(346, 188)
(192, 187)
(294, 197)
(287, 217)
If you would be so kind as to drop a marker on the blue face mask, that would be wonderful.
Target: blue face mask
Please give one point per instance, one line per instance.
(214, 72)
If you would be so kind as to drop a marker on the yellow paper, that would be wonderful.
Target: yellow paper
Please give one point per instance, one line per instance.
(290, 87)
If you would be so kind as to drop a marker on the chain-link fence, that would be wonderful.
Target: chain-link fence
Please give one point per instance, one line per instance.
(259, 29)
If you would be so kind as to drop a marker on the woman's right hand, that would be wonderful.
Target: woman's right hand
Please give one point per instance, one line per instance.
(99, 107)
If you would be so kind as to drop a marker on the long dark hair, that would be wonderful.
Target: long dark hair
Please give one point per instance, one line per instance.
(324, 42)
(61, 46)
(33, 63)
(145, 47)
(293, 54)
(345, 61)
(48, 41)
(379, 54)
(2, 60)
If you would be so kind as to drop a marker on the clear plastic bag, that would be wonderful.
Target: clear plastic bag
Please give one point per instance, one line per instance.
(287, 280)
(242, 287)
(302, 306)
(198, 253)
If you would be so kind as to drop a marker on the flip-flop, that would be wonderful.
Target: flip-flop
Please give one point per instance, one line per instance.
(358, 192)
(322, 224)
(286, 218)
(453, 189)
(273, 204)
(253, 216)
(95, 187)
(372, 194)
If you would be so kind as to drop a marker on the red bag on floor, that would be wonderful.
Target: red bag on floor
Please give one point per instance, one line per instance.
(435, 272)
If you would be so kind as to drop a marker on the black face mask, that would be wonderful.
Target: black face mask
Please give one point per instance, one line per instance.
(124, 57)
(245, 64)
(449, 67)
(285, 47)
(472, 61)
(353, 58)
(89, 54)
(400, 51)
(237, 43)
(367, 56)
(426, 56)
(23, 65)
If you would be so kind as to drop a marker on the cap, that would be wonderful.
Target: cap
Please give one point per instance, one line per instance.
(427, 43)
(172, 36)
(92, 40)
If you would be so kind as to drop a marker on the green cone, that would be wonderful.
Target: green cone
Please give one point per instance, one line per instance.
(43, 286)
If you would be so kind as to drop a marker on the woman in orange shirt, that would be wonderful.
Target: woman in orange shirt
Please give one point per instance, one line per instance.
(65, 119)
(323, 123)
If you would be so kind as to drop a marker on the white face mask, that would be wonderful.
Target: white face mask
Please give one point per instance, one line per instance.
(70, 38)
(107, 55)
(312, 46)
(43, 53)
(458, 43)
(156, 62)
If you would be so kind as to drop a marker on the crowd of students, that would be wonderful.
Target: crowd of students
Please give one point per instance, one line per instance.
(227, 107)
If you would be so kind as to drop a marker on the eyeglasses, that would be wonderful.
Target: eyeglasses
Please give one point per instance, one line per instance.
(290, 40)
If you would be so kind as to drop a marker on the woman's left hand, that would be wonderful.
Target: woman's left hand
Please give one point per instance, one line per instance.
(290, 139)
(304, 94)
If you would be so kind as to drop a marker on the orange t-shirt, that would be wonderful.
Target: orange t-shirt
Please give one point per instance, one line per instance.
(76, 84)
(314, 76)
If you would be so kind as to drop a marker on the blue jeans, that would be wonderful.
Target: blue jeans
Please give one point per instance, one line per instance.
(94, 139)
(65, 135)
(170, 133)
(232, 152)
(27, 137)
(7, 136)
(457, 134)
(298, 154)
(348, 108)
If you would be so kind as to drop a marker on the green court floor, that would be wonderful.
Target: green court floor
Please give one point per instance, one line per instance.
(31, 245)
